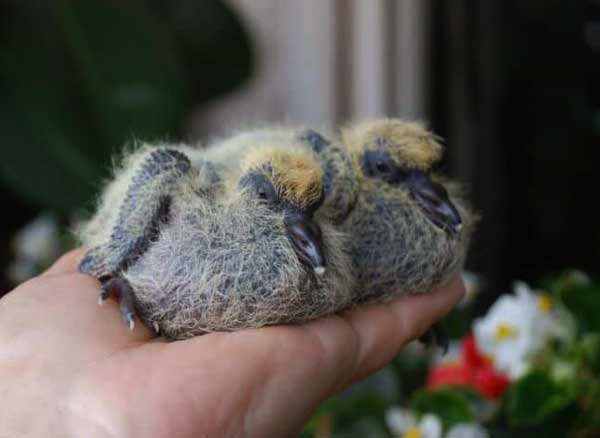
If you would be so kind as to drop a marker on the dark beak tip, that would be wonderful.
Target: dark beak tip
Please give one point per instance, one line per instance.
(307, 240)
(435, 203)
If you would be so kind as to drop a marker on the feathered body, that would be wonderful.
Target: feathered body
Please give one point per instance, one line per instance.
(396, 248)
(218, 258)
(187, 231)
(231, 266)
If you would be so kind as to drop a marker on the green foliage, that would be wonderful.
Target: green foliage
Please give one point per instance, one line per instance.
(535, 397)
(458, 322)
(348, 412)
(583, 301)
(80, 79)
(590, 350)
(559, 397)
(411, 370)
(452, 405)
(360, 408)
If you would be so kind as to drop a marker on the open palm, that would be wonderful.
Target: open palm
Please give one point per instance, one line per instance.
(70, 368)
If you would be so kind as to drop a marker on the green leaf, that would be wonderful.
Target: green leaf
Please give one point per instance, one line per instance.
(326, 408)
(366, 400)
(212, 42)
(78, 80)
(535, 397)
(583, 301)
(459, 322)
(590, 348)
(452, 406)
(43, 138)
(369, 398)
(566, 279)
(73, 91)
(361, 428)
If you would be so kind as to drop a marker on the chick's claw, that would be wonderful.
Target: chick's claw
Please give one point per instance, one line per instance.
(119, 287)
(104, 295)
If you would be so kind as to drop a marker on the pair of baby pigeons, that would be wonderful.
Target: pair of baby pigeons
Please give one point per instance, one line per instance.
(275, 226)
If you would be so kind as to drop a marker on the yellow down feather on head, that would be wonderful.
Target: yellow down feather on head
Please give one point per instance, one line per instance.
(295, 173)
(409, 143)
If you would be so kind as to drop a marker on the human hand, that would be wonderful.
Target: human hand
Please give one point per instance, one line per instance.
(71, 368)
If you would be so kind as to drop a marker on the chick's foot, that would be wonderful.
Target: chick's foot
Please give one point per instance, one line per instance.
(120, 288)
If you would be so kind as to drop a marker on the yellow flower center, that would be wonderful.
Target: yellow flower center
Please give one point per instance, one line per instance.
(545, 303)
(412, 432)
(505, 331)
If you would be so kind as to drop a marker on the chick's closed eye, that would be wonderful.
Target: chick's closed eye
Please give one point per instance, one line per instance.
(379, 164)
(260, 186)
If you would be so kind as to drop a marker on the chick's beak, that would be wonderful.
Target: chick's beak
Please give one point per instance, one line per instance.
(305, 235)
(433, 199)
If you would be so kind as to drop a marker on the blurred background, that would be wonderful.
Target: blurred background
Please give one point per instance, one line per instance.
(509, 84)
(512, 86)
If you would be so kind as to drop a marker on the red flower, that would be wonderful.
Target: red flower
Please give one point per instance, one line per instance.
(471, 355)
(474, 371)
(490, 382)
(453, 375)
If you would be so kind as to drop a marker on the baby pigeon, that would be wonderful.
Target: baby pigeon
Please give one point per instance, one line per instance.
(408, 232)
(194, 246)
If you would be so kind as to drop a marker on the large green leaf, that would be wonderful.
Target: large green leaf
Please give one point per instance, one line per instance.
(536, 397)
(80, 79)
(451, 405)
(583, 301)
(212, 43)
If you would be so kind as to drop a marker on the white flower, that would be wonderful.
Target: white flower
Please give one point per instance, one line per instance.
(546, 317)
(36, 245)
(404, 424)
(38, 240)
(467, 430)
(516, 328)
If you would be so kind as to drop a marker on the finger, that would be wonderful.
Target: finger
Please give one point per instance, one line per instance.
(66, 264)
(278, 372)
(383, 329)
(346, 347)
(284, 371)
